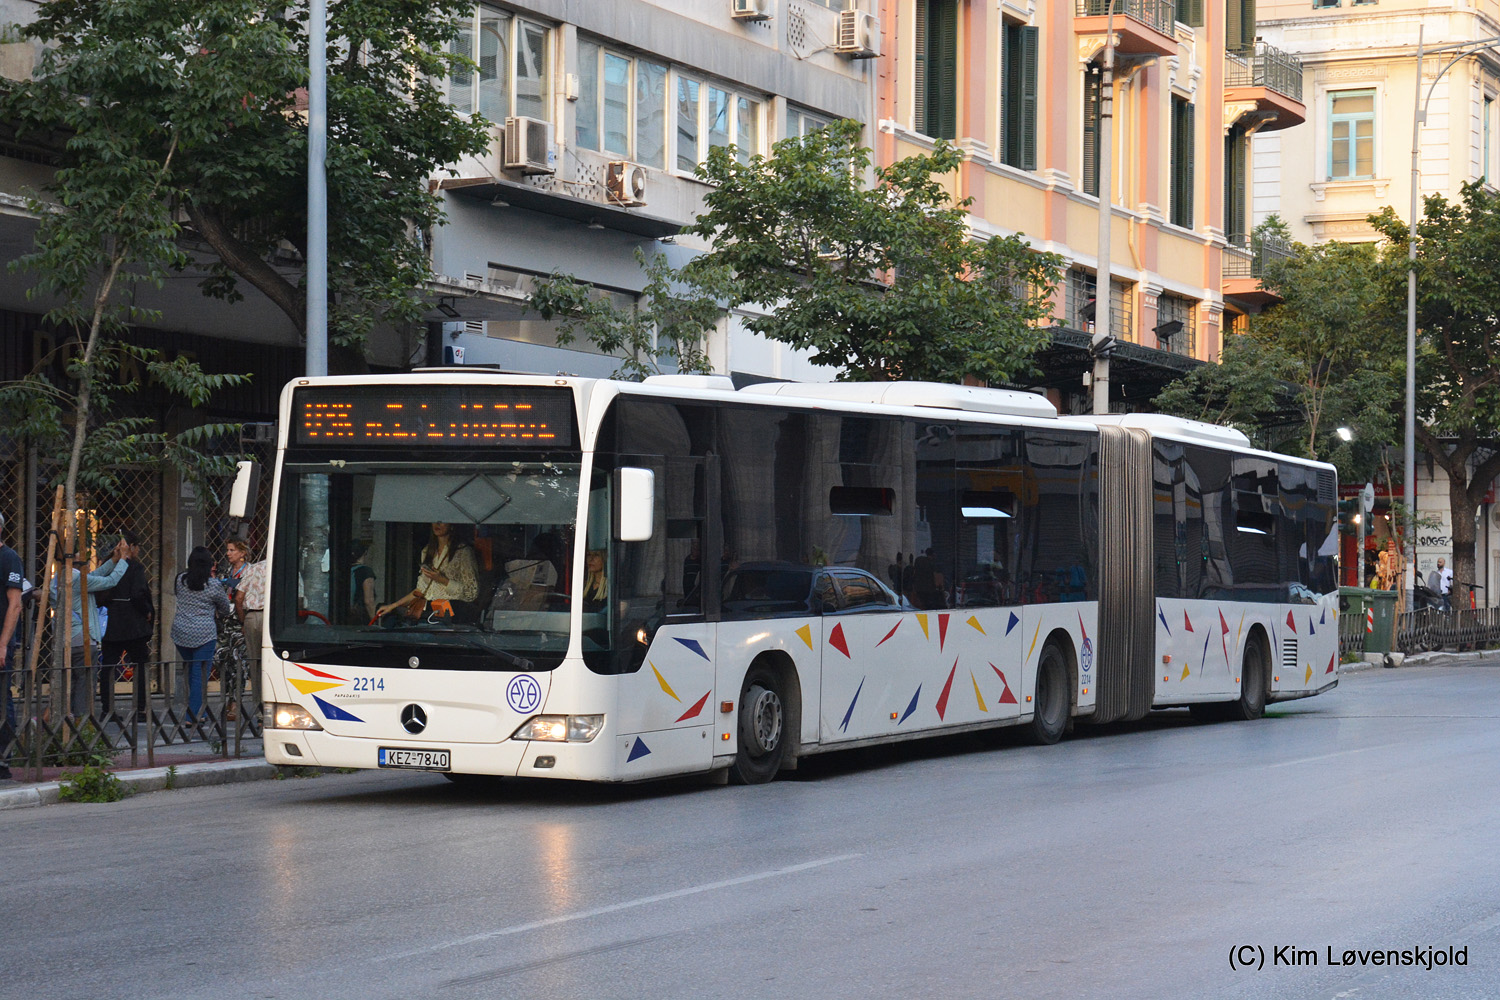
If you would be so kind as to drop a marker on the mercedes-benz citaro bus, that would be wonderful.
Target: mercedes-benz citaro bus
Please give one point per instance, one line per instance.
(479, 573)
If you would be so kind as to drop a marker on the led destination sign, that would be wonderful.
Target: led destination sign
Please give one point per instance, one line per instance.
(500, 416)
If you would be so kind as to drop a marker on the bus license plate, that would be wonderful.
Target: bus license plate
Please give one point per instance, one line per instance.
(421, 760)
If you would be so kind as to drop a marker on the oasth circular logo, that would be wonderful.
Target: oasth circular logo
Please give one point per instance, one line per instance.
(1086, 655)
(523, 694)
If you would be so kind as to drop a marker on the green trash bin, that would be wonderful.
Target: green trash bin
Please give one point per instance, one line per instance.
(1383, 603)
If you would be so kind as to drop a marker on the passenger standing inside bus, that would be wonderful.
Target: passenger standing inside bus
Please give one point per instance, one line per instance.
(200, 596)
(362, 605)
(449, 573)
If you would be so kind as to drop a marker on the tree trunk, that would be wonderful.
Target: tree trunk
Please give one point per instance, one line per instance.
(1466, 492)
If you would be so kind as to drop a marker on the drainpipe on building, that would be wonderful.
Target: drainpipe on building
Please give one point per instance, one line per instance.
(1102, 343)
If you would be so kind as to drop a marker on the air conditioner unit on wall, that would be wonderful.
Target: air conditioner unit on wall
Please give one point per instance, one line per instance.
(750, 10)
(529, 146)
(625, 182)
(859, 34)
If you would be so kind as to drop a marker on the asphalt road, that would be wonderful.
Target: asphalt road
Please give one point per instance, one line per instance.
(1129, 862)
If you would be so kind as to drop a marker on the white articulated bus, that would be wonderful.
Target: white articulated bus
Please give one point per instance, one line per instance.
(615, 581)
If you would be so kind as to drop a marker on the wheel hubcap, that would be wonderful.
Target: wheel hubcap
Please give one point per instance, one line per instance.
(762, 729)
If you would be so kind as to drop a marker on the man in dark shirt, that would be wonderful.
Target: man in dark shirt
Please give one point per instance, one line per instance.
(127, 633)
(10, 641)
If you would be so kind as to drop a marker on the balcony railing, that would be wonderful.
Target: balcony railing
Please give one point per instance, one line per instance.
(1266, 66)
(1158, 14)
(1249, 255)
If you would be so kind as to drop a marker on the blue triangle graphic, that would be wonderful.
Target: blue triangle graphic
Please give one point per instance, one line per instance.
(640, 749)
(912, 707)
(1323, 619)
(1163, 620)
(335, 714)
(1014, 621)
(1309, 626)
(694, 646)
(844, 726)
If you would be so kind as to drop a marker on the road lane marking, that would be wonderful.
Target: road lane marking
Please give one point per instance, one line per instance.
(1341, 753)
(628, 904)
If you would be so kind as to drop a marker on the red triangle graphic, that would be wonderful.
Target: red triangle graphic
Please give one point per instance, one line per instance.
(319, 673)
(1006, 698)
(697, 707)
(942, 702)
(891, 632)
(1331, 660)
(1291, 622)
(1187, 622)
(1223, 624)
(836, 639)
(942, 635)
(1082, 629)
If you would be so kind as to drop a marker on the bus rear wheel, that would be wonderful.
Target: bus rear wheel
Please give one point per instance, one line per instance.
(762, 723)
(1252, 700)
(1049, 718)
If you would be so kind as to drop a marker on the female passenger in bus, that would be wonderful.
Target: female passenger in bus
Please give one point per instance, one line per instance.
(449, 573)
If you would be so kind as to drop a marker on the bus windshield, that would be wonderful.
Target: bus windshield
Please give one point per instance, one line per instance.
(425, 564)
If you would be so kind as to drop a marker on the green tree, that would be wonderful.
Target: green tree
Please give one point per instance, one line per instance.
(1458, 356)
(667, 326)
(883, 281)
(1249, 389)
(208, 97)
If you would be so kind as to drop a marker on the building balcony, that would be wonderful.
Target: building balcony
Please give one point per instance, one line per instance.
(1245, 261)
(1142, 27)
(1266, 83)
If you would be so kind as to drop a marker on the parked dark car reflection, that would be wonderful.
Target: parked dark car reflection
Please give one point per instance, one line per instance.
(789, 589)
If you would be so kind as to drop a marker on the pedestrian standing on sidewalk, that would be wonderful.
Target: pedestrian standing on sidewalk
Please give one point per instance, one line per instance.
(127, 633)
(10, 644)
(250, 602)
(199, 597)
(103, 578)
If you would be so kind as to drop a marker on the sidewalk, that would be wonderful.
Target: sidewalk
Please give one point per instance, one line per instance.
(187, 765)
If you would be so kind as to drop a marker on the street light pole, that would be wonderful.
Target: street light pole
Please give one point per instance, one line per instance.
(1419, 117)
(316, 320)
(1100, 343)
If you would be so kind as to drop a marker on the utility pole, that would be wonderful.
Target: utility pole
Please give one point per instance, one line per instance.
(317, 189)
(1101, 345)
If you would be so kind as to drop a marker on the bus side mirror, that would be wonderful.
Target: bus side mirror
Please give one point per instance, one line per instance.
(242, 495)
(635, 492)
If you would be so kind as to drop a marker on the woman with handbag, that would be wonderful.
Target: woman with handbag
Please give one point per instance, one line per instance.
(449, 573)
(200, 599)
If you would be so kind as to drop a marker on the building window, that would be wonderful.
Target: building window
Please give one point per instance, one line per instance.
(1351, 134)
(799, 122)
(510, 67)
(1236, 186)
(1018, 96)
(1239, 25)
(1093, 89)
(936, 76)
(529, 327)
(1176, 309)
(1486, 137)
(1079, 302)
(1184, 144)
(709, 115)
(1190, 13)
(622, 104)
(1324, 4)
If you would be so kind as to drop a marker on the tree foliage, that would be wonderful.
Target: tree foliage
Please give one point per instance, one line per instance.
(209, 97)
(667, 327)
(883, 281)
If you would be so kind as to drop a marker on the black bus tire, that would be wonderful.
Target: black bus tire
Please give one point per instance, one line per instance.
(1049, 717)
(1251, 703)
(762, 727)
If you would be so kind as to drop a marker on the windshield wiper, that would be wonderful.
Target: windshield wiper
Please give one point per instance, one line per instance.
(461, 632)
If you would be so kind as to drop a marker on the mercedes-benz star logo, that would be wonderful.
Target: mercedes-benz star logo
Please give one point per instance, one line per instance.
(413, 719)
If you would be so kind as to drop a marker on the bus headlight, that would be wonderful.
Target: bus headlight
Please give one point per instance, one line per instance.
(560, 728)
(283, 716)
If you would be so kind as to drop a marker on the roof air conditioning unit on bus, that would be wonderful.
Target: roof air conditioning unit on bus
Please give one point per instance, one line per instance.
(625, 182)
(750, 10)
(859, 34)
(529, 147)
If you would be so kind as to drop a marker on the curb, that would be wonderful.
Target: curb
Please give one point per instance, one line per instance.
(152, 779)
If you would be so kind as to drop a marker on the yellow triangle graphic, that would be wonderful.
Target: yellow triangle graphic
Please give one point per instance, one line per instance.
(975, 622)
(922, 621)
(1308, 678)
(310, 687)
(664, 685)
(977, 696)
(805, 634)
(1034, 636)
(1187, 672)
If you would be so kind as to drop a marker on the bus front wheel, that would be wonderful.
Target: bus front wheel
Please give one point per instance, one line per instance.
(1049, 718)
(1252, 700)
(762, 724)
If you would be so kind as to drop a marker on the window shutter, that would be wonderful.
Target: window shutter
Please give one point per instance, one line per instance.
(1092, 85)
(1029, 48)
(1192, 13)
(1235, 148)
(1010, 94)
(919, 75)
(1189, 172)
(942, 96)
(1234, 25)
